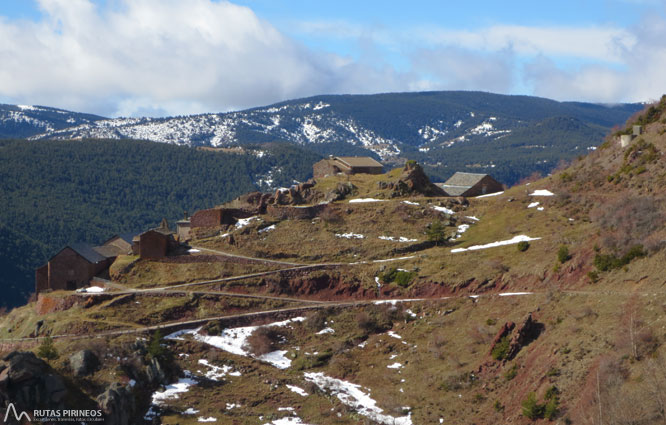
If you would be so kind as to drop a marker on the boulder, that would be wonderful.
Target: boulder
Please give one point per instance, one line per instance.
(83, 363)
(117, 403)
(30, 383)
(156, 373)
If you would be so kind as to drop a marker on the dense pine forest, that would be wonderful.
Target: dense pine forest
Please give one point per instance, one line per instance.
(59, 192)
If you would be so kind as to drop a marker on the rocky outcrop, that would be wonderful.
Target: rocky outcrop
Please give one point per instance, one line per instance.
(156, 374)
(341, 191)
(30, 383)
(83, 363)
(413, 181)
(520, 335)
(117, 403)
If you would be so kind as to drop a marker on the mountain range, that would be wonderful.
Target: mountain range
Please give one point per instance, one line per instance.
(512, 136)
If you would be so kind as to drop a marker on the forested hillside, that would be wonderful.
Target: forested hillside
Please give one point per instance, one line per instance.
(59, 192)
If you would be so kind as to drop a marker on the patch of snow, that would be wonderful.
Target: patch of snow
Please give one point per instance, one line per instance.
(216, 372)
(540, 209)
(232, 406)
(353, 396)
(193, 250)
(394, 302)
(395, 365)
(363, 344)
(349, 235)
(324, 331)
(298, 390)
(511, 294)
(95, 289)
(443, 209)
(461, 229)
(172, 391)
(471, 217)
(514, 240)
(399, 239)
(267, 229)
(411, 313)
(393, 259)
(209, 419)
(289, 420)
(411, 203)
(533, 204)
(490, 194)
(242, 222)
(393, 335)
(358, 200)
(234, 340)
(542, 192)
(285, 409)
(190, 411)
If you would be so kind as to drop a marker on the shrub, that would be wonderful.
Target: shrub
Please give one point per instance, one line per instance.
(156, 348)
(511, 373)
(491, 322)
(606, 262)
(436, 232)
(46, 349)
(531, 409)
(563, 254)
(523, 246)
(264, 340)
(401, 277)
(593, 276)
(501, 349)
(499, 407)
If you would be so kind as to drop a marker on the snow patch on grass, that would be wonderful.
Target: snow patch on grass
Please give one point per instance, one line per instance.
(410, 203)
(349, 235)
(324, 331)
(398, 239)
(243, 222)
(542, 192)
(443, 209)
(533, 204)
(353, 396)
(514, 240)
(298, 390)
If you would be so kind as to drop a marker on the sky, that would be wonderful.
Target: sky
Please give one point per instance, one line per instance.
(177, 57)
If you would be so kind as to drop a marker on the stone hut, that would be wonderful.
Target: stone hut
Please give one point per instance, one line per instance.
(346, 165)
(121, 243)
(73, 267)
(471, 184)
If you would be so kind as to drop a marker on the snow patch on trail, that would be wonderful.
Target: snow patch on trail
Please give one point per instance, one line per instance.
(353, 396)
(490, 194)
(360, 200)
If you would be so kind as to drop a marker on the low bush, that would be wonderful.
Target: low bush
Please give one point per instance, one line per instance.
(511, 373)
(523, 246)
(606, 262)
(531, 409)
(501, 349)
(563, 254)
(264, 340)
(401, 277)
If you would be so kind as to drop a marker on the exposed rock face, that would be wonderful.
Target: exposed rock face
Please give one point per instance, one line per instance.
(83, 363)
(156, 373)
(30, 383)
(340, 192)
(117, 403)
(413, 181)
(525, 333)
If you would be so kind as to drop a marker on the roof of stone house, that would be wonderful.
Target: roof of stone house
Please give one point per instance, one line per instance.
(86, 251)
(358, 161)
(460, 182)
(127, 237)
(108, 251)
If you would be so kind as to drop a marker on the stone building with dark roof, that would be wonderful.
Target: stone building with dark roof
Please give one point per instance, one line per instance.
(346, 165)
(471, 184)
(73, 267)
(154, 243)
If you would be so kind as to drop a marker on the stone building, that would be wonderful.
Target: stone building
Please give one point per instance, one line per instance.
(471, 184)
(73, 267)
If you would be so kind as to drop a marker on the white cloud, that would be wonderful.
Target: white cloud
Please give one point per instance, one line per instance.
(167, 56)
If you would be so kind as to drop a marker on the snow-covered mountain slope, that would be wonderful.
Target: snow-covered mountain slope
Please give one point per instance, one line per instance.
(388, 125)
(25, 121)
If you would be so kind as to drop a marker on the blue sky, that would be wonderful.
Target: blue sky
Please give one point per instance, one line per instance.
(166, 57)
